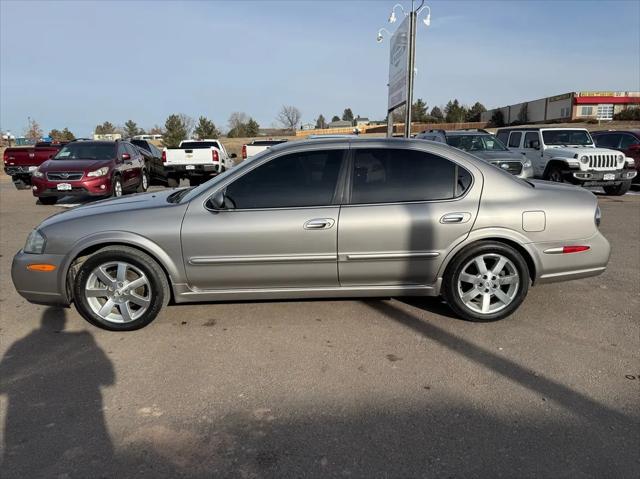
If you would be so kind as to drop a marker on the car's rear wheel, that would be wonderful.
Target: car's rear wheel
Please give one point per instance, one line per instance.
(486, 282)
(617, 190)
(144, 182)
(21, 184)
(116, 189)
(120, 289)
(48, 200)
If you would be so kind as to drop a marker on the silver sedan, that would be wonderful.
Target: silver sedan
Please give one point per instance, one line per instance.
(319, 219)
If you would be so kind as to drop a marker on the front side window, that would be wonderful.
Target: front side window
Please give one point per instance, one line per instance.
(530, 138)
(608, 140)
(294, 180)
(385, 175)
(514, 139)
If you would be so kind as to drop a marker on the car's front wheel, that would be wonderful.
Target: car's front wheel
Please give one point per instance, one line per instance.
(120, 289)
(116, 189)
(486, 282)
(617, 190)
(47, 200)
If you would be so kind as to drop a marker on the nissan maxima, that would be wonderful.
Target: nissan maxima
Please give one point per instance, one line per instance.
(319, 219)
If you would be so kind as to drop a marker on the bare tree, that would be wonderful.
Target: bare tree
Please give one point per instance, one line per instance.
(289, 117)
(33, 132)
(188, 123)
(237, 119)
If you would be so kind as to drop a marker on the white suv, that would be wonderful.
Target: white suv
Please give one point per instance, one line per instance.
(569, 154)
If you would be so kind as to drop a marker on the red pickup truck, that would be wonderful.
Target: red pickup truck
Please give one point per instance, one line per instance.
(20, 162)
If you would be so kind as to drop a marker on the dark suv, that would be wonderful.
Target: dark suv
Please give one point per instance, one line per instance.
(626, 141)
(485, 146)
(92, 168)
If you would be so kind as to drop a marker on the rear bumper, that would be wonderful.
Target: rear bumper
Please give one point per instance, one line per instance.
(187, 170)
(19, 170)
(37, 286)
(99, 186)
(553, 267)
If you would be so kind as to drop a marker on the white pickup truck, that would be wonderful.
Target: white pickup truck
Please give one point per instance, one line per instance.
(257, 146)
(196, 160)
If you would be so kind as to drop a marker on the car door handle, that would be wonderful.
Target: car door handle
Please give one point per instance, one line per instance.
(455, 218)
(319, 224)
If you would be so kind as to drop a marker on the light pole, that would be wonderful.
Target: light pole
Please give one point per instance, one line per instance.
(413, 16)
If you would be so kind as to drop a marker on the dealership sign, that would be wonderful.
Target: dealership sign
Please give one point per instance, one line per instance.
(399, 65)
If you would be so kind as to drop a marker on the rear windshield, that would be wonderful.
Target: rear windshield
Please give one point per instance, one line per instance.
(566, 137)
(267, 142)
(199, 145)
(87, 151)
(476, 142)
(141, 144)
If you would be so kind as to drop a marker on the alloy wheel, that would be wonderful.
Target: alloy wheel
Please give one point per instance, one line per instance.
(488, 283)
(118, 292)
(117, 189)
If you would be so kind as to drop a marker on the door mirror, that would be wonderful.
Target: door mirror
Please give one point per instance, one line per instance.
(233, 155)
(217, 200)
(126, 156)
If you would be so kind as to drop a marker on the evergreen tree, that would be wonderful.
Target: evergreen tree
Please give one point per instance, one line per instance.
(175, 131)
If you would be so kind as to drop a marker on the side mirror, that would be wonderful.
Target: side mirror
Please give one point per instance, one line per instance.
(217, 200)
(233, 155)
(126, 156)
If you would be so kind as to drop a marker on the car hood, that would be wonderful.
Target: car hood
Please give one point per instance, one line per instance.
(123, 205)
(570, 151)
(498, 155)
(73, 165)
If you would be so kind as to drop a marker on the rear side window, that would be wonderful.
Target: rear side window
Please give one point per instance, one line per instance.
(627, 141)
(295, 180)
(514, 139)
(395, 175)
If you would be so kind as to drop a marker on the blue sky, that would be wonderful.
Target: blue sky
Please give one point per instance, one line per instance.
(77, 63)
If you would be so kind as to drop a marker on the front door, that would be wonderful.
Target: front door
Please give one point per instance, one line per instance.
(406, 209)
(532, 150)
(277, 229)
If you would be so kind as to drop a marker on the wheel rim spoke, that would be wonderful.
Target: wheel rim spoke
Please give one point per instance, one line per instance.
(139, 300)
(486, 302)
(509, 279)
(104, 276)
(136, 283)
(468, 278)
(97, 292)
(502, 296)
(122, 272)
(106, 308)
(499, 265)
(124, 311)
(482, 267)
(469, 295)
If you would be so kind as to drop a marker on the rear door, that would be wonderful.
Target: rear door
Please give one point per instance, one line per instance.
(278, 228)
(405, 209)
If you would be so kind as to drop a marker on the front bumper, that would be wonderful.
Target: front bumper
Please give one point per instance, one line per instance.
(40, 287)
(188, 170)
(99, 186)
(19, 170)
(597, 178)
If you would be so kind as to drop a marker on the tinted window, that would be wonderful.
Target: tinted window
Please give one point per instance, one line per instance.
(566, 137)
(267, 142)
(131, 150)
(530, 137)
(389, 176)
(142, 144)
(503, 136)
(608, 140)
(199, 145)
(475, 142)
(514, 139)
(627, 141)
(299, 179)
(87, 151)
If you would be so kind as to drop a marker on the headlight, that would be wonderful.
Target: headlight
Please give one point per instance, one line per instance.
(35, 243)
(99, 172)
(584, 159)
(620, 158)
(598, 216)
(37, 173)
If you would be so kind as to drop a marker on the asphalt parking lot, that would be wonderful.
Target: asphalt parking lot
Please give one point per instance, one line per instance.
(353, 388)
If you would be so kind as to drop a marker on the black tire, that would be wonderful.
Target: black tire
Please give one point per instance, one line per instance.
(196, 180)
(144, 182)
(158, 290)
(115, 192)
(617, 190)
(173, 182)
(554, 174)
(452, 293)
(48, 200)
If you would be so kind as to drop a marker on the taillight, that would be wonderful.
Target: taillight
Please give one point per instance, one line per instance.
(214, 155)
(164, 156)
(244, 152)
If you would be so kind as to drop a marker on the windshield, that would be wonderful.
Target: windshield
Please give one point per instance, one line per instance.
(199, 145)
(87, 151)
(476, 142)
(566, 137)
